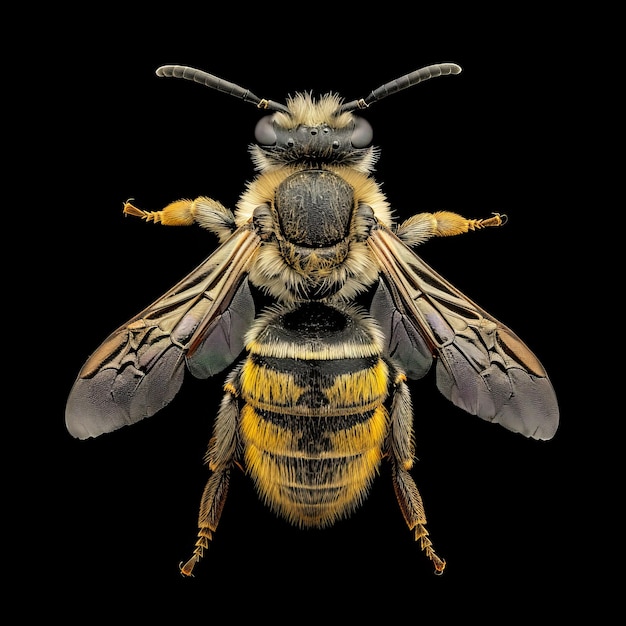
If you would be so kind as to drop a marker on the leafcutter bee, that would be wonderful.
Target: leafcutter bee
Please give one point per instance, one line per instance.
(317, 301)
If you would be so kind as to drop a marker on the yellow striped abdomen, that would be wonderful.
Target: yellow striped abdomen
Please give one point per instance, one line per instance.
(313, 421)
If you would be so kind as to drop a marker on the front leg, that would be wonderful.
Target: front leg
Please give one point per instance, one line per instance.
(206, 212)
(423, 226)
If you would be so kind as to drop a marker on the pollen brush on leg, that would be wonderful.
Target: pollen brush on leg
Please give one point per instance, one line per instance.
(175, 214)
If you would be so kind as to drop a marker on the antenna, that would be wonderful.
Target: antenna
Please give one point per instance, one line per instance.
(204, 78)
(408, 80)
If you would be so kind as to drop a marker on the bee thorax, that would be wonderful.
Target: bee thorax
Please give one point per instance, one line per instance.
(314, 208)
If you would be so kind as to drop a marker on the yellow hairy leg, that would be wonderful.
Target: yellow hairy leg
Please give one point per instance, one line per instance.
(205, 212)
(179, 213)
(423, 226)
(448, 223)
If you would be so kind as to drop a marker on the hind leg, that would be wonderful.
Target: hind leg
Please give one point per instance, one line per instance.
(402, 455)
(220, 458)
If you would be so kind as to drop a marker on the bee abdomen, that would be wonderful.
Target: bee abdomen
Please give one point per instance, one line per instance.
(309, 471)
(314, 420)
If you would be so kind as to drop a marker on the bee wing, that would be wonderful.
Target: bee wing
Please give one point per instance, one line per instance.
(481, 365)
(139, 368)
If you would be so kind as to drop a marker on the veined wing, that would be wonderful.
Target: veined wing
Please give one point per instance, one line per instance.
(481, 366)
(139, 368)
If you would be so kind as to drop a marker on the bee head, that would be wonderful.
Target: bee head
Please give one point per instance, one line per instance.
(313, 131)
(309, 130)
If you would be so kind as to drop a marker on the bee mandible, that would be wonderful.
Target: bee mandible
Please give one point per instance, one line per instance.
(321, 309)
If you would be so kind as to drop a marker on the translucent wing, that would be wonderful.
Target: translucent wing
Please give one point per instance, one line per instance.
(481, 365)
(140, 367)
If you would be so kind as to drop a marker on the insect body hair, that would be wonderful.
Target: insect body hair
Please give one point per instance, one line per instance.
(305, 110)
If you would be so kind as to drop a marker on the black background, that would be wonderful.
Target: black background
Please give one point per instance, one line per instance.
(111, 518)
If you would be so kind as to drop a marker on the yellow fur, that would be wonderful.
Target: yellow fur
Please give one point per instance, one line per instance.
(305, 110)
(262, 190)
(277, 466)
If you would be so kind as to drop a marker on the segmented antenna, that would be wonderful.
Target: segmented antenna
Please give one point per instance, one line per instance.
(204, 78)
(408, 80)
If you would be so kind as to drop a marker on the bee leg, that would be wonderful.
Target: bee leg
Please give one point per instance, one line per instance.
(402, 455)
(212, 503)
(220, 458)
(419, 228)
(207, 213)
(413, 511)
(177, 213)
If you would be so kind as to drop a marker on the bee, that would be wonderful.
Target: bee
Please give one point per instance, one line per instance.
(321, 310)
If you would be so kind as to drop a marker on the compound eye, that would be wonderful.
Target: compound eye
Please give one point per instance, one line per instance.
(264, 131)
(362, 134)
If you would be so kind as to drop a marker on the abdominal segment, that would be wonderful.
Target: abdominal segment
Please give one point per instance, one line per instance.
(313, 430)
